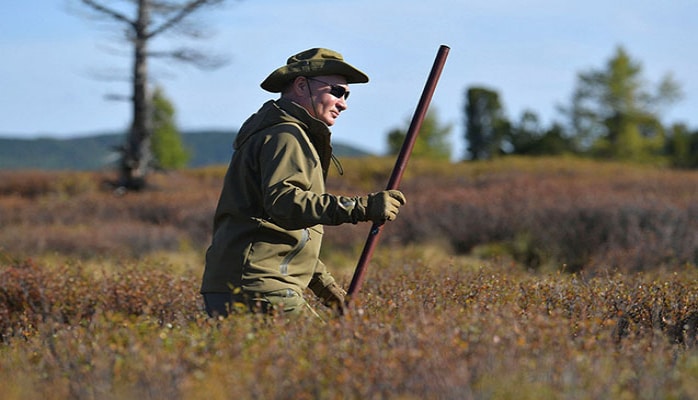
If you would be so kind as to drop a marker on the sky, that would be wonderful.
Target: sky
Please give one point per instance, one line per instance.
(58, 65)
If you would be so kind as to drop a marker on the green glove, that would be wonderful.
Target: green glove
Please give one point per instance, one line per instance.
(384, 206)
(331, 295)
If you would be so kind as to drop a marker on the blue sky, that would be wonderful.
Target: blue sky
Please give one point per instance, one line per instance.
(530, 52)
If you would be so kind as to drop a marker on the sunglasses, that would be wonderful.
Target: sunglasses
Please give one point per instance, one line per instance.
(335, 90)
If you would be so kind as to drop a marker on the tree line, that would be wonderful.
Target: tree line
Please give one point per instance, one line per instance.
(613, 114)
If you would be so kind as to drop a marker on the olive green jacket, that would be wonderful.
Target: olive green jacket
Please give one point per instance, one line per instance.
(268, 224)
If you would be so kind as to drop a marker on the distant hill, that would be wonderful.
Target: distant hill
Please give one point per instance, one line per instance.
(96, 152)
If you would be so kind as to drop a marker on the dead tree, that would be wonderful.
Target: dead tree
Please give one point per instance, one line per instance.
(150, 19)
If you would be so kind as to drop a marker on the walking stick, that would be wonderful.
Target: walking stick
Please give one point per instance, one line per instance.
(399, 168)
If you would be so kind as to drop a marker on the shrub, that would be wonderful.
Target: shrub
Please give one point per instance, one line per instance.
(547, 213)
(419, 329)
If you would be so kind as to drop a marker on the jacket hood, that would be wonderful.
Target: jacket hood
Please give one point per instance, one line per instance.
(280, 111)
(276, 112)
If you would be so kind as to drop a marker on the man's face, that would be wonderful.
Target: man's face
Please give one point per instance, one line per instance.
(328, 97)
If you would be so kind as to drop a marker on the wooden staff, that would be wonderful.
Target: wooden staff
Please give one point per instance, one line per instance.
(400, 166)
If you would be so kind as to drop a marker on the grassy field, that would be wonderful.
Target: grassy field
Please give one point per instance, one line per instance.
(545, 279)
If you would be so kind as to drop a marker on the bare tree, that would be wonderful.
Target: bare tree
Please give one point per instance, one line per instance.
(150, 19)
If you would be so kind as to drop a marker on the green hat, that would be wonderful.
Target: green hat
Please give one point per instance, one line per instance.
(313, 62)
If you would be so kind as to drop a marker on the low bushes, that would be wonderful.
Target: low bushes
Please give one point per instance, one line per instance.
(625, 218)
(552, 214)
(420, 329)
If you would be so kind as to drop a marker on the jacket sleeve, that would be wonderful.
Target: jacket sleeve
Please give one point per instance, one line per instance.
(292, 183)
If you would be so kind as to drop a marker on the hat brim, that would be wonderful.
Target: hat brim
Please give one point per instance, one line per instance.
(276, 81)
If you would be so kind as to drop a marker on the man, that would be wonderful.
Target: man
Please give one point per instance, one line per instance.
(268, 224)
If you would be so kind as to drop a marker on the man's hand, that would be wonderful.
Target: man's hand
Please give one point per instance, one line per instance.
(332, 296)
(384, 206)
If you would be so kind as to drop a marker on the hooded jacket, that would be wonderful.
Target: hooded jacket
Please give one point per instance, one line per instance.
(267, 228)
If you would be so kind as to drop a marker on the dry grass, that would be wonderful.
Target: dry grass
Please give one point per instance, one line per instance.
(98, 294)
(418, 331)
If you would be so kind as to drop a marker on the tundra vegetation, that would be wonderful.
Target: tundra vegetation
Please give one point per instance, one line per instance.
(512, 278)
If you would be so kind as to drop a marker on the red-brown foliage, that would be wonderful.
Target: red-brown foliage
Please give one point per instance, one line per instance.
(544, 213)
(427, 324)
(586, 216)
(31, 294)
(177, 210)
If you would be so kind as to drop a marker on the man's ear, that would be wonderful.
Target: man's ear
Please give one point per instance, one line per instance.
(300, 86)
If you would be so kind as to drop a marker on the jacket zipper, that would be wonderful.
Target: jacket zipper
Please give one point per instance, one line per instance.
(293, 253)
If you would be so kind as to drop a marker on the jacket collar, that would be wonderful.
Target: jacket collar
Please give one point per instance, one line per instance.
(318, 132)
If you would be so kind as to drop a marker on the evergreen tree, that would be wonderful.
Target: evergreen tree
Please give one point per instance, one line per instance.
(166, 144)
(432, 141)
(682, 146)
(528, 137)
(486, 126)
(615, 115)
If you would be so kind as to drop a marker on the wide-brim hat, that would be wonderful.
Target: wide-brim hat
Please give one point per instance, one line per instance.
(312, 62)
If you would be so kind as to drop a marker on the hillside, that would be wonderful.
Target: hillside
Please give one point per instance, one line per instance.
(95, 152)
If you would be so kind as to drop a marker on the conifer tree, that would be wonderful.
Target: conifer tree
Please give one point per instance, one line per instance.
(616, 114)
(167, 146)
(432, 141)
